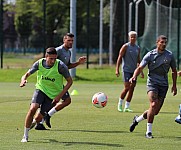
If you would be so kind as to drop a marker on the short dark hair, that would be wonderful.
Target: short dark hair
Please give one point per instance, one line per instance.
(161, 37)
(51, 50)
(69, 34)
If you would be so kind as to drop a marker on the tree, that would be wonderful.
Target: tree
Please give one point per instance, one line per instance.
(23, 22)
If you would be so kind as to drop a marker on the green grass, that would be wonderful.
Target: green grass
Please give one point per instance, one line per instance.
(81, 126)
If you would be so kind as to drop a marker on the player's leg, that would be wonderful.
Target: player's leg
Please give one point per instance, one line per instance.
(125, 78)
(137, 119)
(40, 126)
(129, 92)
(129, 97)
(156, 97)
(59, 106)
(35, 103)
(28, 120)
(46, 105)
(178, 118)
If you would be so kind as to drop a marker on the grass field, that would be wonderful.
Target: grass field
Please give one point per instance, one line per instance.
(81, 126)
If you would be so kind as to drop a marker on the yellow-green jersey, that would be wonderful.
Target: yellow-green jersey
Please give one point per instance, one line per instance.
(50, 80)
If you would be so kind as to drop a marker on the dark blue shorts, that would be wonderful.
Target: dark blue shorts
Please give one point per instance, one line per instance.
(160, 90)
(126, 76)
(44, 101)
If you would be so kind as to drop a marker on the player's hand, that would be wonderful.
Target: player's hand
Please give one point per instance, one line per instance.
(179, 73)
(132, 80)
(82, 59)
(55, 101)
(117, 73)
(174, 91)
(23, 83)
(142, 75)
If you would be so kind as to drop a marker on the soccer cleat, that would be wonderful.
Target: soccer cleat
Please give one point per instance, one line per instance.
(47, 120)
(32, 125)
(24, 139)
(134, 124)
(178, 119)
(40, 126)
(127, 110)
(120, 108)
(149, 135)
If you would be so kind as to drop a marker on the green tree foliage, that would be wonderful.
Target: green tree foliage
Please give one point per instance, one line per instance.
(23, 22)
(30, 22)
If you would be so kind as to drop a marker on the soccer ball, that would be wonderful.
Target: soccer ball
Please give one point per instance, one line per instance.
(99, 100)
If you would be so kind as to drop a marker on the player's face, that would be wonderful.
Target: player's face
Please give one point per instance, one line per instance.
(132, 38)
(68, 42)
(50, 59)
(161, 45)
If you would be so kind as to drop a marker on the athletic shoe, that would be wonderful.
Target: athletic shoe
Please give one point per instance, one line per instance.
(24, 139)
(134, 124)
(40, 126)
(178, 119)
(120, 108)
(47, 120)
(127, 110)
(32, 125)
(149, 135)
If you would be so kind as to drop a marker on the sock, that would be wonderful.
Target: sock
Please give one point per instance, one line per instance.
(26, 131)
(127, 104)
(149, 128)
(140, 118)
(34, 121)
(180, 109)
(52, 111)
(120, 101)
(42, 121)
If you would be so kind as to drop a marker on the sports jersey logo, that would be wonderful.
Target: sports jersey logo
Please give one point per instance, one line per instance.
(47, 78)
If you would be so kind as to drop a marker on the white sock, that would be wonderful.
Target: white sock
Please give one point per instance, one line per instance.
(180, 109)
(34, 121)
(120, 101)
(52, 111)
(42, 121)
(149, 128)
(140, 118)
(26, 131)
(127, 104)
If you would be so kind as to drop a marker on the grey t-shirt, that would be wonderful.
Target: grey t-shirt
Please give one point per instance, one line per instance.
(62, 68)
(63, 54)
(158, 65)
(130, 58)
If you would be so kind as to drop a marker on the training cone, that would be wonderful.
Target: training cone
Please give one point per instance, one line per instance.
(74, 92)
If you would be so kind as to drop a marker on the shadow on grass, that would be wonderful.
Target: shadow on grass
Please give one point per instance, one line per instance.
(78, 78)
(81, 143)
(95, 131)
(162, 112)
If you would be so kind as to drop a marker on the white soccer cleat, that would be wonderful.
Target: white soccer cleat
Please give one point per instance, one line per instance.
(24, 139)
(178, 119)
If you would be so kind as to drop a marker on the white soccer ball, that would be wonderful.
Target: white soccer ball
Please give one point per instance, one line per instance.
(99, 100)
